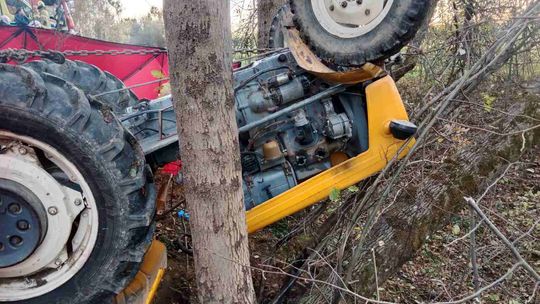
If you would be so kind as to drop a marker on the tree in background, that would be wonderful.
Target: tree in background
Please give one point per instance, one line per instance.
(101, 19)
(97, 18)
(266, 10)
(148, 30)
(199, 41)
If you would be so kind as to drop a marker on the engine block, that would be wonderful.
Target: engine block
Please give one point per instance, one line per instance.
(292, 126)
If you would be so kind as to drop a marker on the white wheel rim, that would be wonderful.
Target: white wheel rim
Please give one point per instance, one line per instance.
(350, 18)
(51, 264)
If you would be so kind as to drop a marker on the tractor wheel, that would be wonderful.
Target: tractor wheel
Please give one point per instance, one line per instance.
(276, 39)
(351, 33)
(91, 80)
(76, 197)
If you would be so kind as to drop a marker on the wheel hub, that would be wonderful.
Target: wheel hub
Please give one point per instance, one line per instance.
(350, 18)
(48, 218)
(22, 223)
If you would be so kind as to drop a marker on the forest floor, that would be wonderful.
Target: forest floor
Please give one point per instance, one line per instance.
(442, 269)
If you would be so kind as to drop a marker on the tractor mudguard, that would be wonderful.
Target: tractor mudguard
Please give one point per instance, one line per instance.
(384, 105)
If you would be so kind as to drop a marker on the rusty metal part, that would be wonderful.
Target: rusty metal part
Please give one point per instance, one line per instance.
(312, 64)
(163, 196)
(338, 157)
(22, 55)
(271, 150)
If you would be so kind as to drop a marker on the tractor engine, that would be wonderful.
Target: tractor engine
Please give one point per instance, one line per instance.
(282, 141)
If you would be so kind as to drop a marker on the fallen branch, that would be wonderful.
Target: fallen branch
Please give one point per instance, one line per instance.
(503, 238)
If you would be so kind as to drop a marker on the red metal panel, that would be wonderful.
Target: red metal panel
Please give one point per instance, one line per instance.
(132, 69)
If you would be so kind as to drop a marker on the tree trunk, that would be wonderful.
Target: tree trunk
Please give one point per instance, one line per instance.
(200, 48)
(266, 10)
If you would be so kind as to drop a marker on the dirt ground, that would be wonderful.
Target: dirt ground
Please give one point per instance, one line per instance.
(440, 272)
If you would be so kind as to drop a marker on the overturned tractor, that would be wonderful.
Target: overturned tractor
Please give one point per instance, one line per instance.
(77, 149)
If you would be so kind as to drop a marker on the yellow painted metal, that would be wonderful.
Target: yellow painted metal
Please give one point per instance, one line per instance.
(4, 9)
(155, 286)
(384, 104)
(142, 289)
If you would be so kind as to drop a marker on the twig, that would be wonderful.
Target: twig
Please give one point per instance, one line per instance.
(532, 297)
(376, 275)
(490, 131)
(501, 236)
(485, 288)
(474, 259)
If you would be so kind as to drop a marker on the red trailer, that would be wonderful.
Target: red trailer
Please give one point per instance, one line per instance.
(133, 64)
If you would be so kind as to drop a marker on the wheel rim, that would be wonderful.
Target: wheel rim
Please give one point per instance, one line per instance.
(60, 212)
(350, 18)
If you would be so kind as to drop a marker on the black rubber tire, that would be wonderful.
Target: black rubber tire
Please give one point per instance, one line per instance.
(276, 39)
(91, 80)
(393, 33)
(54, 111)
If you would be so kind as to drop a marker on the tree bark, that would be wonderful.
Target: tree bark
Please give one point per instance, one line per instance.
(199, 41)
(266, 10)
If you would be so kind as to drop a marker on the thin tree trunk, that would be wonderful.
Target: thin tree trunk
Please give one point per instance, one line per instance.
(266, 10)
(199, 41)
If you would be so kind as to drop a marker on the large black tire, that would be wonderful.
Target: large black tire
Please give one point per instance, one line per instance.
(276, 39)
(393, 33)
(57, 113)
(91, 80)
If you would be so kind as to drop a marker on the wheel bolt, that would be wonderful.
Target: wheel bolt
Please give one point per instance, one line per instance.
(359, 2)
(14, 208)
(53, 210)
(23, 225)
(78, 202)
(23, 151)
(15, 240)
(368, 12)
(331, 7)
(344, 4)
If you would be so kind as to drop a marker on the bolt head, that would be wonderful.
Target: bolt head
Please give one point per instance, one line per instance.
(359, 2)
(368, 12)
(22, 150)
(14, 208)
(58, 262)
(23, 225)
(331, 8)
(15, 240)
(53, 210)
(78, 202)
(344, 4)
